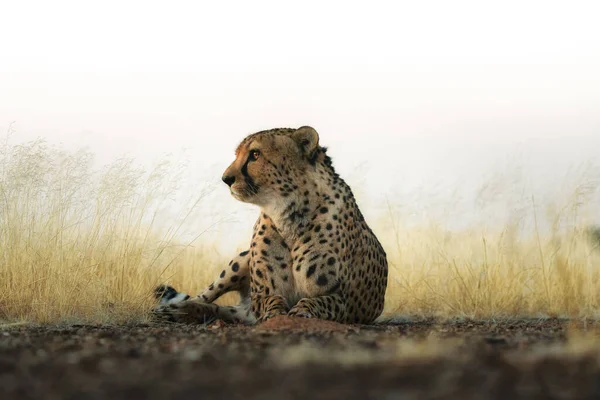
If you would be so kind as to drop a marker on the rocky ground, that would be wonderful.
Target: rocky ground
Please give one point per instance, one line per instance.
(287, 358)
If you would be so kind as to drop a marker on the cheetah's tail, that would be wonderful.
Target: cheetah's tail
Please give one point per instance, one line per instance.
(166, 295)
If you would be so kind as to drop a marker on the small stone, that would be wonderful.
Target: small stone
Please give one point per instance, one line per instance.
(192, 355)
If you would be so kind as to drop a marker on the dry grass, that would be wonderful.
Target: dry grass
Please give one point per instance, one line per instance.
(80, 244)
(481, 274)
(86, 245)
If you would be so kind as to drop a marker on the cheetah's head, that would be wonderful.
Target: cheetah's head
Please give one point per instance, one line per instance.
(269, 165)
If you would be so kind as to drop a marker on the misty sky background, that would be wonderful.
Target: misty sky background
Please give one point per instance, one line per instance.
(432, 106)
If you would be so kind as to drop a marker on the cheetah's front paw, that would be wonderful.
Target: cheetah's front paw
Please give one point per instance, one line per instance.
(300, 312)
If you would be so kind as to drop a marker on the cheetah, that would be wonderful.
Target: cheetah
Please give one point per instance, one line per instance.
(312, 253)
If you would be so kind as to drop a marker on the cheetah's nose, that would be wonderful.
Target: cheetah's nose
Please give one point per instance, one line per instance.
(229, 180)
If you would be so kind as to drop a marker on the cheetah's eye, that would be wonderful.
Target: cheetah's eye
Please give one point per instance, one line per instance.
(254, 154)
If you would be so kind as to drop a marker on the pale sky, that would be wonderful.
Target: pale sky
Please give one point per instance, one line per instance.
(410, 96)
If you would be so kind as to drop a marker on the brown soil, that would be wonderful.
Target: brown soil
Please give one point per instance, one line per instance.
(289, 358)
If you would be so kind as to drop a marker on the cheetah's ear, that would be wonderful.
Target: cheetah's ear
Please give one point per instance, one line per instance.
(307, 138)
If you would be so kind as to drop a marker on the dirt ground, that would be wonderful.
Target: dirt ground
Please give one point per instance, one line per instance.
(289, 358)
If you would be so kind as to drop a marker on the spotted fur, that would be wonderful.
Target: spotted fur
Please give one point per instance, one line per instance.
(312, 253)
